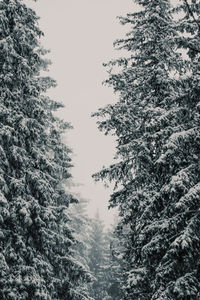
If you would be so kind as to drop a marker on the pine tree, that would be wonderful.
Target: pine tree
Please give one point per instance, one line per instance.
(81, 227)
(35, 237)
(113, 270)
(156, 121)
(81, 224)
(97, 259)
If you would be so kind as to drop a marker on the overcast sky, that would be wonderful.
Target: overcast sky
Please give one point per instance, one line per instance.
(80, 34)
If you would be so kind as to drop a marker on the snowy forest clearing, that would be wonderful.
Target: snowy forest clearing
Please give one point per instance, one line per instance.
(50, 248)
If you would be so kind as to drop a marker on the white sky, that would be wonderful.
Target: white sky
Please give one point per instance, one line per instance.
(80, 34)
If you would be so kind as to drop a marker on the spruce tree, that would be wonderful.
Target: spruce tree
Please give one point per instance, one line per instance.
(113, 270)
(81, 228)
(35, 237)
(97, 259)
(156, 122)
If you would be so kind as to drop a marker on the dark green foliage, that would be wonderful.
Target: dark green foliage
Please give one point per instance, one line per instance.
(156, 122)
(35, 239)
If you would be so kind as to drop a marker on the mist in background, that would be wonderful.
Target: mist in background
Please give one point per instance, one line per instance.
(80, 34)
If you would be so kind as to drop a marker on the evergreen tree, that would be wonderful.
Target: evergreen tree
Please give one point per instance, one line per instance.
(156, 121)
(113, 270)
(81, 228)
(81, 225)
(35, 237)
(97, 259)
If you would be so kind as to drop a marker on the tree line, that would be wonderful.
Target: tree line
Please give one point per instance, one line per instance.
(49, 248)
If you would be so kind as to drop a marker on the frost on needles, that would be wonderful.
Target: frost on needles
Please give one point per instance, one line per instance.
(36, 260)
(156, 124)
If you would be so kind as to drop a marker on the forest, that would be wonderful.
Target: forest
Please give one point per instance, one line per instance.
(50, 249)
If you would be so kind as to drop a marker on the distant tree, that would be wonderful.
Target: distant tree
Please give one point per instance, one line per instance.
(96, 258)
(81, 228)
(113, 270)
(104, 262)
(156, 121)
(36, 259)
(99, 260)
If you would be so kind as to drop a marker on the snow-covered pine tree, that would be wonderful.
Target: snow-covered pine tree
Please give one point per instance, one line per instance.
(113, 271)
(97, 259)
(181, 154)
(156, 122)
(35, 239)
(81, 228)
(97, 251)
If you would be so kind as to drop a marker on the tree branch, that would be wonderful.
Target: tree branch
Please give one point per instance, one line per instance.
(191, 14)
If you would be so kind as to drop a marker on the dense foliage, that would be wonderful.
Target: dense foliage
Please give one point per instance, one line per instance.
(156, 122)
(36, 259)
(48, 248)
